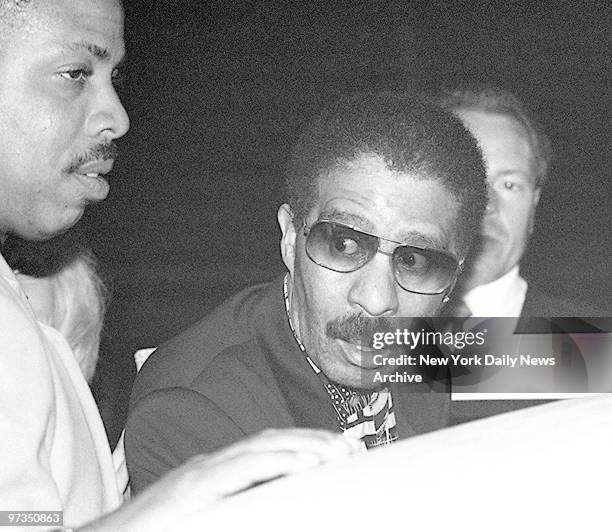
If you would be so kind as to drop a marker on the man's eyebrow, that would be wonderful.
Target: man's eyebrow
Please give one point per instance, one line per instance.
(93, 49)
(510, 173)
(347, 218)
(415, 238)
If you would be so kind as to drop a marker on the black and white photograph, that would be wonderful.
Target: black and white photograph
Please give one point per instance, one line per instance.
(306, 266)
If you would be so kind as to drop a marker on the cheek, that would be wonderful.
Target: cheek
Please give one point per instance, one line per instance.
(523, 216)
(40, 142)
(418, 305)
(323, 296)
(325, 292)
(54, 129)
(517, 211)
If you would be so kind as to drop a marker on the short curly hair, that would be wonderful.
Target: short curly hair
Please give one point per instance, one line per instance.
(412, 135)
(12, 16)
(491, 99)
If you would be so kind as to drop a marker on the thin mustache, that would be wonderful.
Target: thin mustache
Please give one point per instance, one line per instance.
(101, 152)
(355, 328)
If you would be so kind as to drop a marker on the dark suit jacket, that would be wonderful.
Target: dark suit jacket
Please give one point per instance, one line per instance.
(541, 305)
(537, 304)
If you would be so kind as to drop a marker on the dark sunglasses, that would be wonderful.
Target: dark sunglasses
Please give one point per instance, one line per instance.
(343, 248)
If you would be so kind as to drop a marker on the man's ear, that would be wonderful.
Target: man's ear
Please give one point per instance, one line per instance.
(536, 196)
(536, 199)
(446, 295)
(287, 243)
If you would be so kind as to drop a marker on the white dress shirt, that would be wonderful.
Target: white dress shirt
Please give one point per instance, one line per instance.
(503, 297)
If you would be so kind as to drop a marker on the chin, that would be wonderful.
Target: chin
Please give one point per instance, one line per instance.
(51, 228)
(488, 266)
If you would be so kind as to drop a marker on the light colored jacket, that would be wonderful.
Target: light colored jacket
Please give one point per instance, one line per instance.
(54, 454)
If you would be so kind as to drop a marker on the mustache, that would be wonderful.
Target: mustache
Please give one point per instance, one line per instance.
(356, 328)
(100, 152)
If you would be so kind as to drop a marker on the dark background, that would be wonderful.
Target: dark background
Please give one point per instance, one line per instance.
(217, 92)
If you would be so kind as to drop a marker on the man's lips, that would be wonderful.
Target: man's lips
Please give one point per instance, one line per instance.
(90, 176)
(359, 355)
(95, 168)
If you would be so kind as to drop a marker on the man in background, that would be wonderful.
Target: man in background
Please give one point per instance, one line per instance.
(517, 156)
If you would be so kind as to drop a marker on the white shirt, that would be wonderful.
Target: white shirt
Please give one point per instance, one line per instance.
(54, 454)
(503, 297)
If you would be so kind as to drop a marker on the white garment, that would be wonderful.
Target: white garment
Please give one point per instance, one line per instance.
(54, 454)
(503, 297)
(119, 461)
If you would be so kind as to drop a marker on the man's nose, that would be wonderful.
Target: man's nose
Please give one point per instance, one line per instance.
(108, 118)
(374, 289)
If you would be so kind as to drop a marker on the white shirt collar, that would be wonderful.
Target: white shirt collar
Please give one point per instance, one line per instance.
(503, 297)
(9, 276)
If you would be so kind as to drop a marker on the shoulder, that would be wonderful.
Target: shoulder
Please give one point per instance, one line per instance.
(230, 399)
(24, 352)
(13, 307)
(238, 383)
(235, 323)
(540, 304)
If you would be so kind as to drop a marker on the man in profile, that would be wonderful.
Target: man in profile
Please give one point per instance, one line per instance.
(384, 195)
(517, 156)
(59, 118)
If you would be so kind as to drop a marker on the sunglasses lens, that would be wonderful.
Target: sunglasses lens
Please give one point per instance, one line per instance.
(343, 249)
(423, 270)
(339, 248)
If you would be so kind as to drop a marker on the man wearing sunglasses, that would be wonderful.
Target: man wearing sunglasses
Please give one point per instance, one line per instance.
(385, 193)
